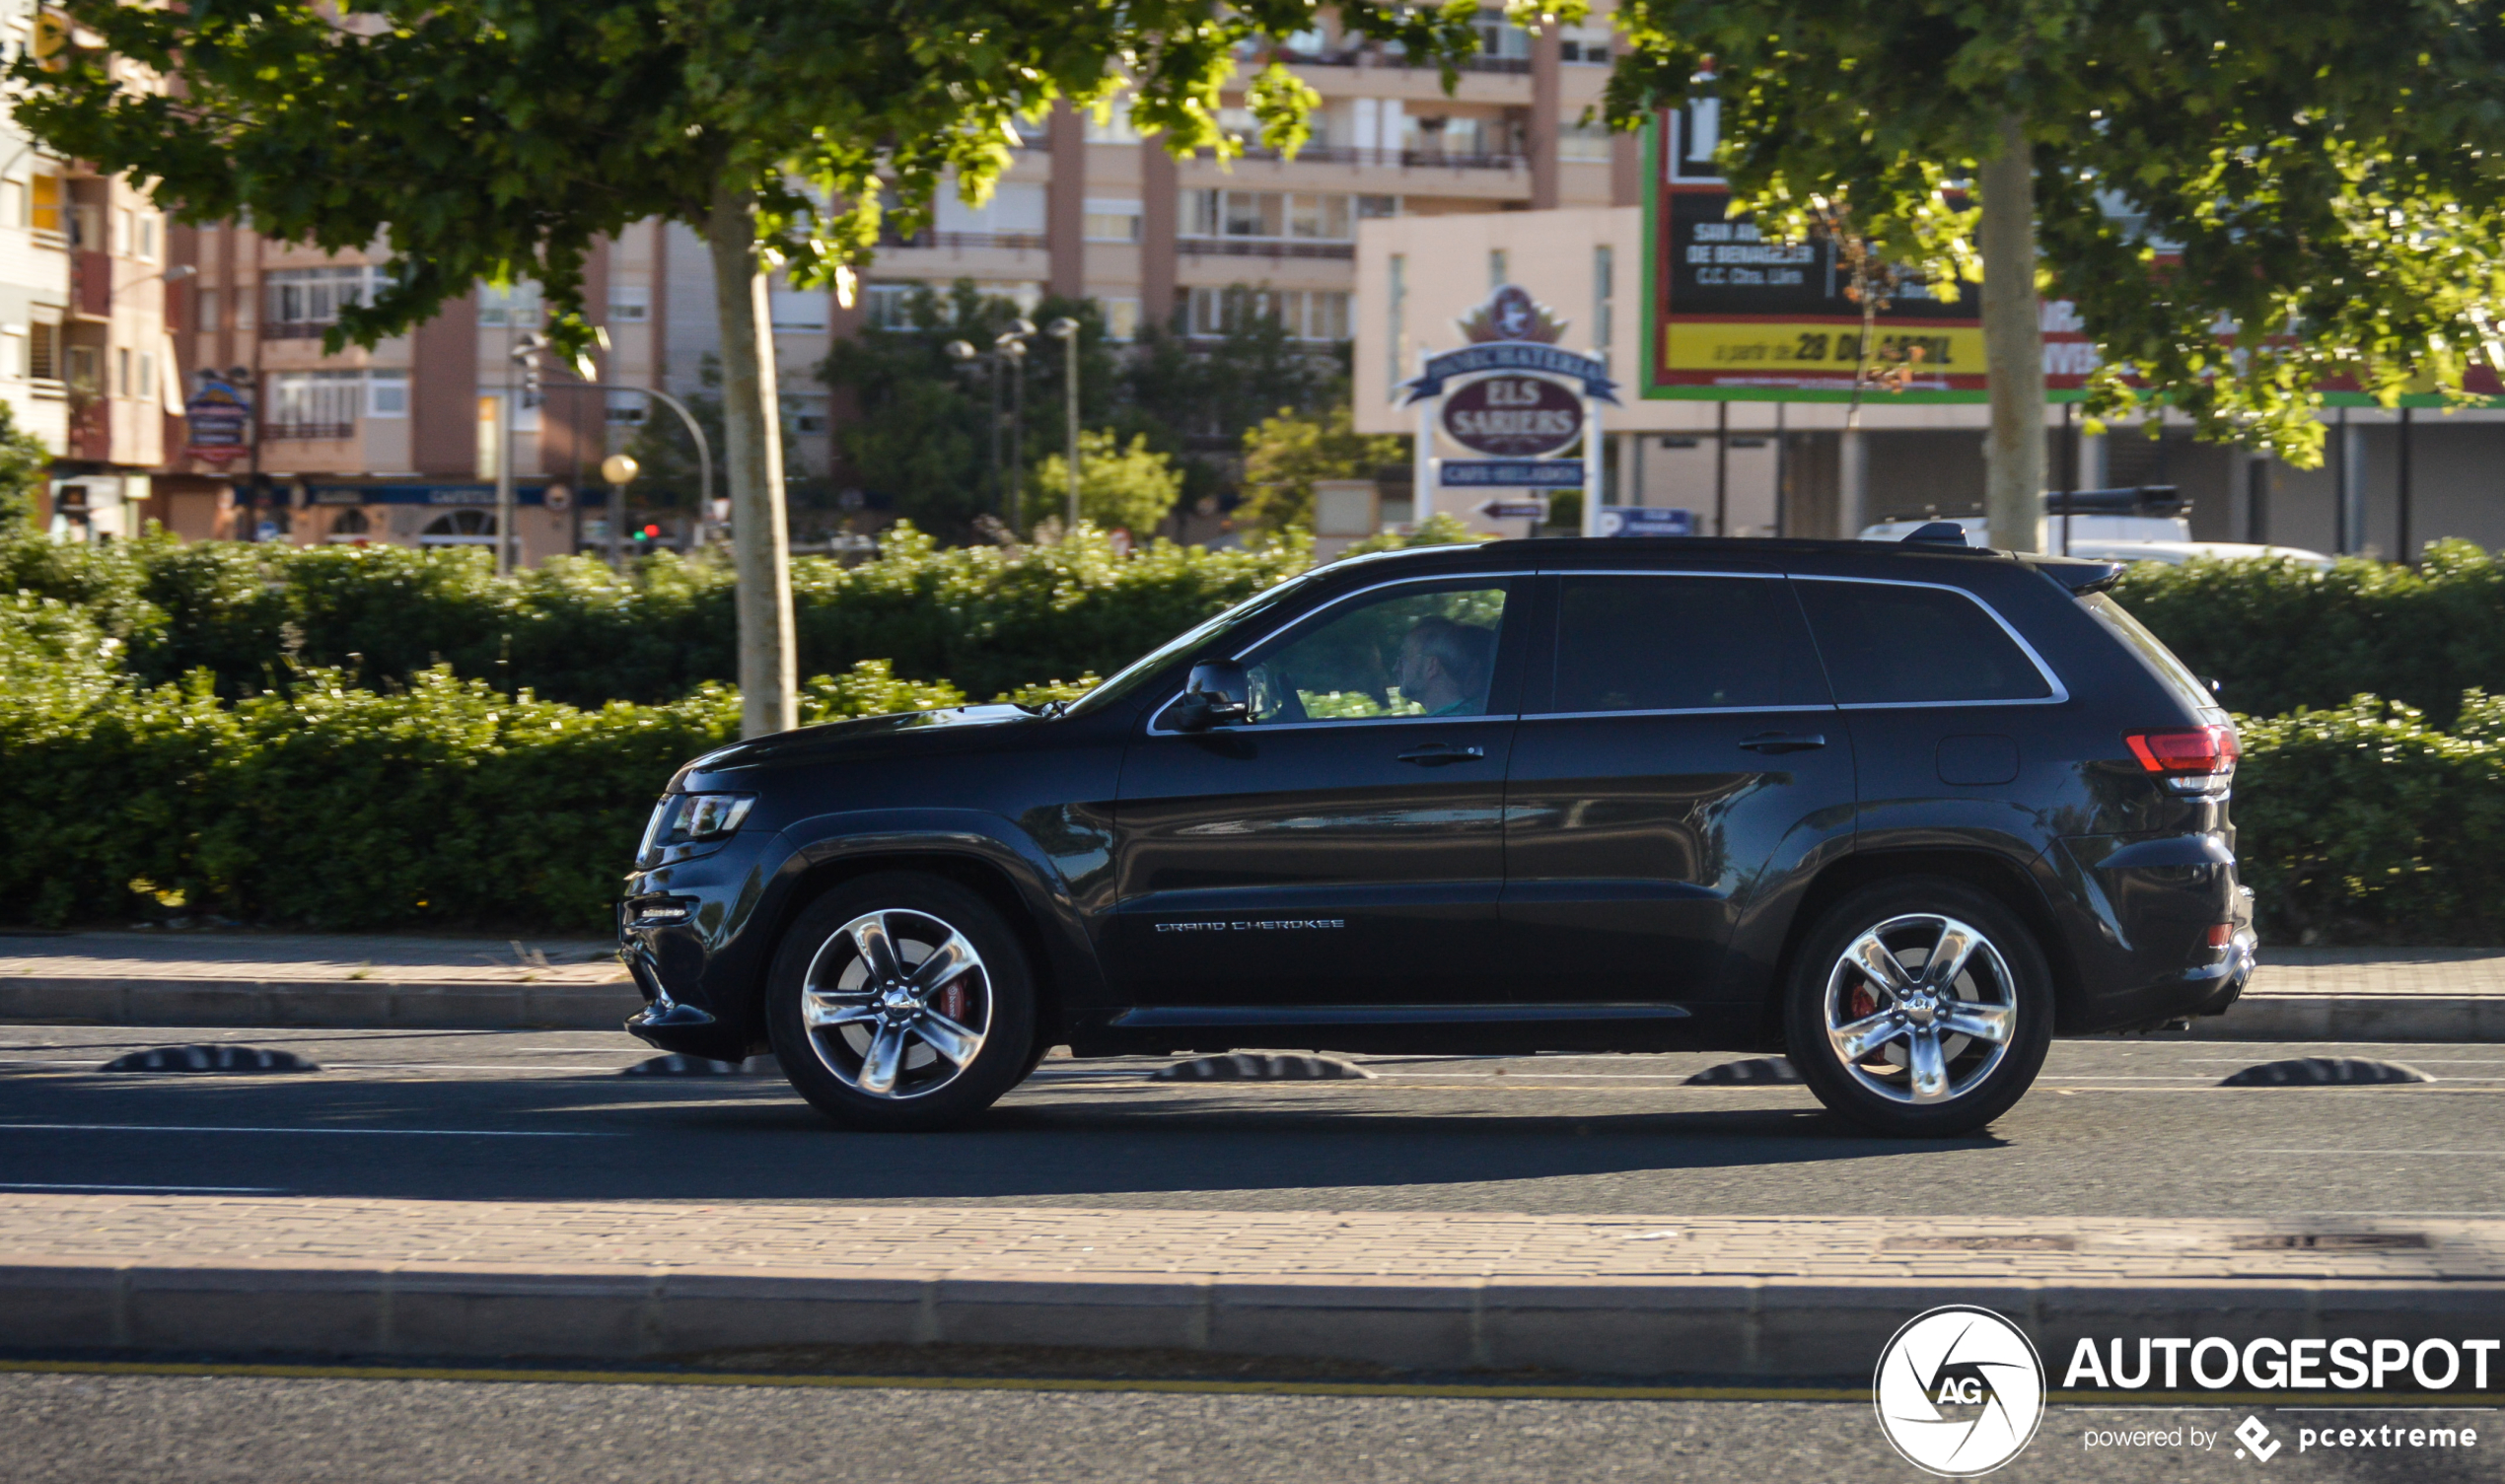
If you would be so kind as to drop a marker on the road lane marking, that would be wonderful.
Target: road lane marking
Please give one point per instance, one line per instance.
(152, 1189)
(195, 1128)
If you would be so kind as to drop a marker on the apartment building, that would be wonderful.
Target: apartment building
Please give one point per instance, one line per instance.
(387, 445)
(86, 364)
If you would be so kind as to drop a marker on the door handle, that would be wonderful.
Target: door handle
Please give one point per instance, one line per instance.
(1784, 741)
(1436, 754)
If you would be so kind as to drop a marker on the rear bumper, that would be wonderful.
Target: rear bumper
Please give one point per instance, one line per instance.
(2138, 918)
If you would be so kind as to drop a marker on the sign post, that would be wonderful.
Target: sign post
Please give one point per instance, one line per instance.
(1514, 396)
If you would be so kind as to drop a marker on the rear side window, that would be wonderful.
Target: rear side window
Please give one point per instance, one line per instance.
(1888, 644)
(2151, 652)
(1682, 644)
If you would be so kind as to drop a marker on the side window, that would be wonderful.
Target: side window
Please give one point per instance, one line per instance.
(1682, 644)
(1406, 651)
(1885, 643)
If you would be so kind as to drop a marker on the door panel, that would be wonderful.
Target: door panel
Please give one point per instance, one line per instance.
(1686, 760)
(1346, 845)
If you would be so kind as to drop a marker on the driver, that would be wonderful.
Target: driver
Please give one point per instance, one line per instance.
(1444, 665)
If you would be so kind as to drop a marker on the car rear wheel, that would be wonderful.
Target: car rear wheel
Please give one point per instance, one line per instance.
(1919, 1007)
(900, 1003)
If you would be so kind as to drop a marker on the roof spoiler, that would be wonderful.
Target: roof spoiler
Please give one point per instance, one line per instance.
(2079, 574)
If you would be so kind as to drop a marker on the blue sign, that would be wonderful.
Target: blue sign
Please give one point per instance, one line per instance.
(1638, 520)
(1512, 473)
(1513, 355)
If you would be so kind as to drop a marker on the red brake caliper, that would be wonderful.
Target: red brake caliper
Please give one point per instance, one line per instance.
(952, 1002)
(1863, 1002)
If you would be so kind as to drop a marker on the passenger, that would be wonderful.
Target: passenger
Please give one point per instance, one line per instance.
(1444, 665)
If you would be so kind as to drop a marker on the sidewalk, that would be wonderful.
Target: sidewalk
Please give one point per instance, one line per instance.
(250, 979)
(1653, 1296)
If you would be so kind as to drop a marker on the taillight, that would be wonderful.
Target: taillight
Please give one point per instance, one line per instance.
(2192, 761)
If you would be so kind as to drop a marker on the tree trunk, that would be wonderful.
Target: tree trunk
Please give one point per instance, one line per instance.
(753, 435)
(2012, 346)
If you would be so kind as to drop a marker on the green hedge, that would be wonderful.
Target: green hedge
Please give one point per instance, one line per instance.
(986, 619)
(325, 804)
(2363, 823)
(2280, 638)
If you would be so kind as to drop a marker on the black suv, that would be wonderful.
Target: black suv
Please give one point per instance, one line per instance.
(1900, 810)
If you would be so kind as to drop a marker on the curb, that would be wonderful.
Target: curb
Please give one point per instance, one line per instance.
(1737, 1327)
(439, 1005)
(469, 1005)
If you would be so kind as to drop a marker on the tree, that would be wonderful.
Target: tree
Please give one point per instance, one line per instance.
(1285, 453)
(1119, 489)
(2317, 180)
(498, 139)
(26, 468)
(1197, 397)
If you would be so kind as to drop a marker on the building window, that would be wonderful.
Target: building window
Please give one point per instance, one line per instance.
(1304, 315)
(1370, 208)
(125, 238)
(800, 311)
(309, 404)
(1116, 129)
(1604, 291)
(460, 527)
(1584, 45)
(1582, 139)
(42, 352)
(44, 209)
(1266, 214)
(626, 409)
(350, 525)
(1011, 218)
(1496, 269)
(147, 237)
(302, 302)
(629, 303)
(82, 359)
(386, 393)
(510, 306)
(123, 379)
(13, 207)
(1500, 40)
(889, 305)
(1122, 318)
(807, 412)
(204, 308)
(147, 374)
(1110, 221)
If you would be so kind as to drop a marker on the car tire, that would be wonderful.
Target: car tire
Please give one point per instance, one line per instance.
(874, 1035)
(1917, 1059)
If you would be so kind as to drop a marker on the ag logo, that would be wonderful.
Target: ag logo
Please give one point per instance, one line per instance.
(1959, 1391)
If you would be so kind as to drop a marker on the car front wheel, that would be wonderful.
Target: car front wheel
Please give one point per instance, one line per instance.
(900, 1003)
(1919, 1007)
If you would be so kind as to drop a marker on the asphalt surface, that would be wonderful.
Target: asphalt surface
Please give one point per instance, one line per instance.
(2115, 1128)
(95, 1429)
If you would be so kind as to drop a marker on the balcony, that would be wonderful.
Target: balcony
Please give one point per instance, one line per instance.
(1231, 246)
(90, 285)
(1018, 241)
(295, 330)
(307, 432)
(1510, 66)
(92, 430)
(1396, 158)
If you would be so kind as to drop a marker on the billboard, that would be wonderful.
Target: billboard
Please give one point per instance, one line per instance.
(1733, 316)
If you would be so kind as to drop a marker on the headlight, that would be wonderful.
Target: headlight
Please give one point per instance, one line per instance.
(688, 818)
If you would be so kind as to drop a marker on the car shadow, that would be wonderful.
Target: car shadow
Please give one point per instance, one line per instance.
(736, 1140)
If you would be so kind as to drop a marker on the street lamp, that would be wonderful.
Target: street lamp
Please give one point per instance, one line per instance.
(619, 469)
(1010, 347)
(1066, 330)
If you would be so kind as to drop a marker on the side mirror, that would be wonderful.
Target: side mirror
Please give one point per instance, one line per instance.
(1218, 694)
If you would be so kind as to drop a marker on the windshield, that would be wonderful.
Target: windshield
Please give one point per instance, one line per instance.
(1208, 635)
(2151, 650)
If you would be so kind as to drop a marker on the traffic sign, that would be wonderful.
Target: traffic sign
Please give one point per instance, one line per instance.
(1512, 473)
(1514, 510)
(1638, 520)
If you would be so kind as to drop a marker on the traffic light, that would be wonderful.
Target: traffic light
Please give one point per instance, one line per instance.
(648, 532)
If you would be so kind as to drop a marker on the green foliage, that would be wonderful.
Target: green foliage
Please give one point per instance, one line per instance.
(26, 467)
(987, 619)
(1438, 530)
(1288, 450)
(1119, 489)
(2323, 174)
(2278, 637)
(2361, 823)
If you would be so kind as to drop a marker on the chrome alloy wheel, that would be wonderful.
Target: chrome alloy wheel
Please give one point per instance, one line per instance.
(897, 1003)
(1920, 1009)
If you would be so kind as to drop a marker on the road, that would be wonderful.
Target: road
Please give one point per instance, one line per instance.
(202, 1430)
(2115, 1128)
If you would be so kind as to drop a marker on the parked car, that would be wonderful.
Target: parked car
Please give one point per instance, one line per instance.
(1903, 812)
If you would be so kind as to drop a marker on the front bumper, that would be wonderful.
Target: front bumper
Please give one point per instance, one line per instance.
(690, 934)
